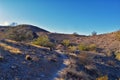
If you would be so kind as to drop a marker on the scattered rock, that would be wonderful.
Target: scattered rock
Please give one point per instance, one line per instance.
(28, 57)
(13, 67)
(1, 58)
(35, 58)
(54, 60)
(42, 75)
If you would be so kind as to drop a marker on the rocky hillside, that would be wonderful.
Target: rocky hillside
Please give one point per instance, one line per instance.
(20, 61)
(30, 30)
(31, 53)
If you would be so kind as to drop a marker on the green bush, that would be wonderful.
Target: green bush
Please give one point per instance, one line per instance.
(82, 47)
(92, 47)
(42, 41)
(66, 43)
(72, 48)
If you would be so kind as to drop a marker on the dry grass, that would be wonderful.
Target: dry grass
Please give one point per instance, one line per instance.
(102, 78)
(117, 56)
(10, 48)
(11, 41)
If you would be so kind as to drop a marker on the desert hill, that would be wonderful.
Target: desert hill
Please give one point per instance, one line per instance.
(30, 53)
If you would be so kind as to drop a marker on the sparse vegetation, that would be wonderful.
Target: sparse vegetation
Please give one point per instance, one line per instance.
(92, 47)
(20, 34)
(43, 41)
(84, 57)
(82, 47)
(66, 43)
(72, 48)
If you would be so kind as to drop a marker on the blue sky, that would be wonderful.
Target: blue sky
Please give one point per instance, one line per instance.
(64, 16)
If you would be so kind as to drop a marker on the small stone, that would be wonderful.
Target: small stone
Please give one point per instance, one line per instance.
(28, 57)
(42, 75)
(1, 58)
(35, 58)
(47, 53)
(13, 67)
(53, 60)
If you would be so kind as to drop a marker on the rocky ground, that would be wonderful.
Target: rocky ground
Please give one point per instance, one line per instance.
(32, 63)
(23, 61)
(90, 66)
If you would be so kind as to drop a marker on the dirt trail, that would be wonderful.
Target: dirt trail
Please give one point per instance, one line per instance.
(63, 66)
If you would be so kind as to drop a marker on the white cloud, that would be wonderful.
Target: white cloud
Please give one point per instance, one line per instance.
(5, 23)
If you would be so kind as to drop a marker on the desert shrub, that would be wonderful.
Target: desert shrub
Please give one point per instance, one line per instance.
(92, 47)
(117, 56)
(72, 48)
(102, 78)
(75, 34)
(82, 47)
(44, 41)
(66, 42)
(94, 33)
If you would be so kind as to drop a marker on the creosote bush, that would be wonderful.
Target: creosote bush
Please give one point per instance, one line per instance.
(66, 42)
(43, 41)
(83, 47)
(92, 47)
(72, 48)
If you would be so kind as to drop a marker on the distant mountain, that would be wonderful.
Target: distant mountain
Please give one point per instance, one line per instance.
(33, 28)
(21, 30)
(25, 26)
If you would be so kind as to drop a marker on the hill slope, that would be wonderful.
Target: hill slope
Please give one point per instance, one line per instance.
(85, 57)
